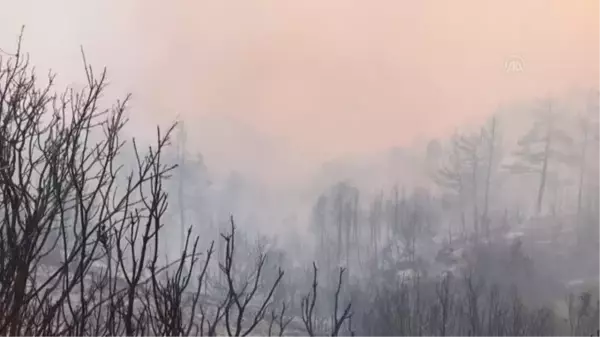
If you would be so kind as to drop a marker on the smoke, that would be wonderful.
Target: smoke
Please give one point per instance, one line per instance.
(274, 90)
(328, 79)
(348, 77)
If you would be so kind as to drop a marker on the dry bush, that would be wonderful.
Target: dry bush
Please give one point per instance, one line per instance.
(80, 234)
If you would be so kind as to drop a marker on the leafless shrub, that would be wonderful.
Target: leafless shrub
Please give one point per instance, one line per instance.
(239, 297)
(79, 236)
(309, 316)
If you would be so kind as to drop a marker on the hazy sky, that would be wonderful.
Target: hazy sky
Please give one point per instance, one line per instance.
(324, 78)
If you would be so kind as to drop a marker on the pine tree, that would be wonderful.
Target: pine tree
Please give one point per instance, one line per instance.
(539, 148)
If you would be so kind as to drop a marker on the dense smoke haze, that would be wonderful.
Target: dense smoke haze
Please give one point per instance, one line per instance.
(301, 73)
(275, 90)
(400, 140)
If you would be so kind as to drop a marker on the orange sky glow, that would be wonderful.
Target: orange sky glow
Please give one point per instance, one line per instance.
(326, 77)
(343, 76)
